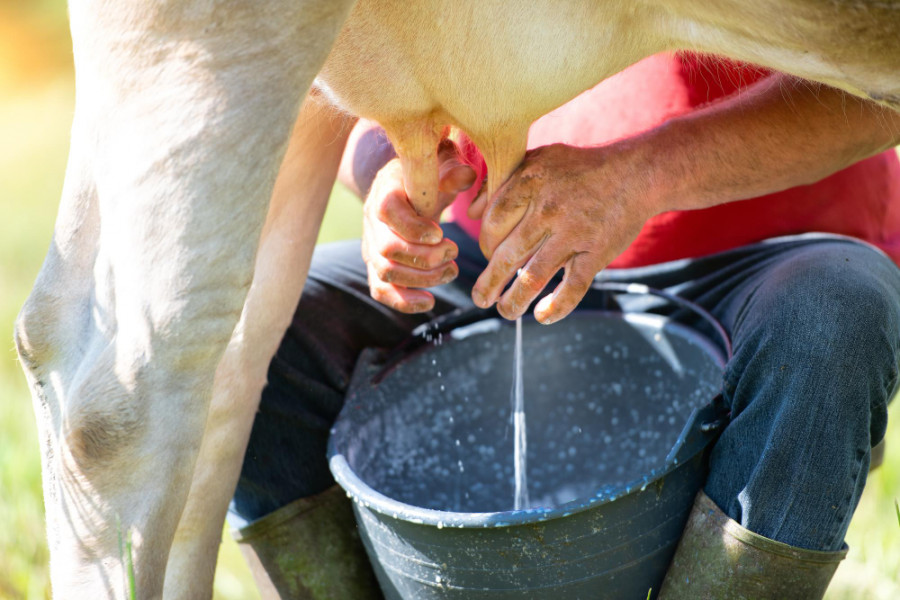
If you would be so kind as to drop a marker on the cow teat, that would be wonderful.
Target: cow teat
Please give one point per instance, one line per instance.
(417, 143)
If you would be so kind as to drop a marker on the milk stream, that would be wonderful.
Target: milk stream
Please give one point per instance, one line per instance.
(519, 430)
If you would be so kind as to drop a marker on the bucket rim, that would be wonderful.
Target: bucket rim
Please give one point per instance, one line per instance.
(371, 499)
(684, 449)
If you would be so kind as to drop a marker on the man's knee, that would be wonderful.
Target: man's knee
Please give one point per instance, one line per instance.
(835, 304)
(822, 326)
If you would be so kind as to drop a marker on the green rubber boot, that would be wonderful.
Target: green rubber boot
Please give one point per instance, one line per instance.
(718, 559)
(309, 550)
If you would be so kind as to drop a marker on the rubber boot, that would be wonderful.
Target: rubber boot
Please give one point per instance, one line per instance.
(309, 550)
(877, 455)
(718, 559)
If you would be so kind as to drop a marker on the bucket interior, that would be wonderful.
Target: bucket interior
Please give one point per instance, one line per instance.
(606, 397)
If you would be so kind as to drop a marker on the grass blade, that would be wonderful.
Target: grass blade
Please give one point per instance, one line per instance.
(125, 557)
(129, 568)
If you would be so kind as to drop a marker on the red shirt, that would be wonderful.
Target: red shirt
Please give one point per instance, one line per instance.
(862, 200)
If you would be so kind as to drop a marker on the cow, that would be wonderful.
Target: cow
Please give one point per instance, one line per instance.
(199, 170)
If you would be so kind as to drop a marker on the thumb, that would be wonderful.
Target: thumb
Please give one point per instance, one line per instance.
(476, 209)
(454, 175)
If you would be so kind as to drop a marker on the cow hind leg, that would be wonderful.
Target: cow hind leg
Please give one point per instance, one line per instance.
(183, 113)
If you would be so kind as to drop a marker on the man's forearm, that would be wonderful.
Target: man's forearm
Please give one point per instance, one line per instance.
(368, 149)
(777, 134)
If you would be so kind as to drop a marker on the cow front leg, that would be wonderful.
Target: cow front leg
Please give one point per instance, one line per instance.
(298, 203)
(183, 113)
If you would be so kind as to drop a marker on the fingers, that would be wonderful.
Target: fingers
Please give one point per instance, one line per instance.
(391, 272)
(403, 250)
(393, 283)
(399, 298)
(532, 279)
(547, 257)
(575, 284)
(418, 256)
(395, 211)
(506, 209)
(509, 257)
(389, 202)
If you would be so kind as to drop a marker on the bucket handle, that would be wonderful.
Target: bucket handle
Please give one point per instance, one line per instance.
(712, 418)
(461, 317)
(640, 288)
(428, 331)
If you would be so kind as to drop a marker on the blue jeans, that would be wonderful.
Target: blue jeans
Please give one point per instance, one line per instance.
(815, 323)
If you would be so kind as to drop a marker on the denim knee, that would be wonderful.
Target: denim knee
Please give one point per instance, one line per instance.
(829, 314)
(815, 362)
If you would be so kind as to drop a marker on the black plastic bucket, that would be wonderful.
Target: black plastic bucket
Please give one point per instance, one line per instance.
(619, 410)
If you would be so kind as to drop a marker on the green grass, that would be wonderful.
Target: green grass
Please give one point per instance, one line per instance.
(870, 570)
(127, 558)
(33, 129)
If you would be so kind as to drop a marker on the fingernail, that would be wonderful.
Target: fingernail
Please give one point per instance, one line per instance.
(421, 306)
(448, 275)
(509, 311)
(543, 313)
(431, 238)
(478, 298)
(449, 254)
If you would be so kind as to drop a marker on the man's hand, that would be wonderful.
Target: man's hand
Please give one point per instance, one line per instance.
(403, 251)
(563, 208)
(578, 208)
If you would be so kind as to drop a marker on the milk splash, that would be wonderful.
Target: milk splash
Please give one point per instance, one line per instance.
(519, 430)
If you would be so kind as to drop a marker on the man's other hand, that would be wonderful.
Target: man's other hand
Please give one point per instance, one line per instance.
(403, 251)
